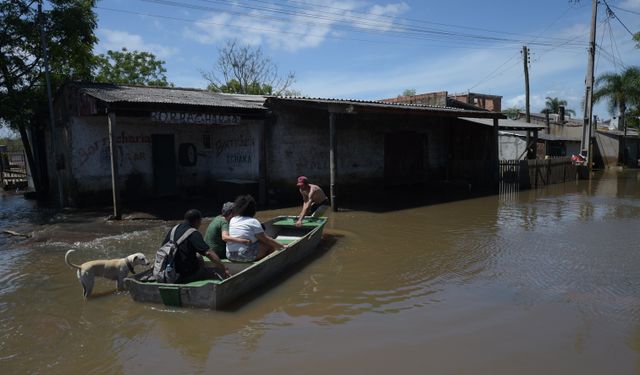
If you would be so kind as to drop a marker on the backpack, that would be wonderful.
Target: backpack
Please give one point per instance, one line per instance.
(164, 269)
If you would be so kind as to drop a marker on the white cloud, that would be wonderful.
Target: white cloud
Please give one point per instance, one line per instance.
(304, 29)
(555, 72)
(116, 40)
(630, 5)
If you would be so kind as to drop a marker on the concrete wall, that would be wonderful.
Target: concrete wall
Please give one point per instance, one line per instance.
(232, 154)
(609, 149)
(298, 144)
(512, 147)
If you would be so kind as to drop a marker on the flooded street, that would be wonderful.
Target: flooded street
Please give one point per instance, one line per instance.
(542, 281)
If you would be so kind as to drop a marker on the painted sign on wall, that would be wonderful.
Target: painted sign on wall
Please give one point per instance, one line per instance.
(194, 118)
(235, 152)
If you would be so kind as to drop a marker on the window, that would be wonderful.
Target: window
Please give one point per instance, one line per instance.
(207, 141)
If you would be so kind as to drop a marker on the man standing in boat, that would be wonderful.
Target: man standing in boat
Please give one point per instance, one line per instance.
(314, 200)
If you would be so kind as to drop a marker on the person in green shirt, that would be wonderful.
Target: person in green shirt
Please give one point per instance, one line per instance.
(217, 234)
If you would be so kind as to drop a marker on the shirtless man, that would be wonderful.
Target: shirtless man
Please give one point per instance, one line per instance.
(314, 200)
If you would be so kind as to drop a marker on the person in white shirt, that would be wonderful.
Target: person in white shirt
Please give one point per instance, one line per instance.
(244, 225)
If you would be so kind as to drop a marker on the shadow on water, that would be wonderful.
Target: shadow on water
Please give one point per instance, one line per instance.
(399, 198)
(327, 242)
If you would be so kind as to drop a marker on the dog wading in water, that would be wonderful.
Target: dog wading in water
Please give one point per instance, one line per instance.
(112, 269)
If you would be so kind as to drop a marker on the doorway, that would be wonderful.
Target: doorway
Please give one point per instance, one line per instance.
(404, 155)
(165, 176)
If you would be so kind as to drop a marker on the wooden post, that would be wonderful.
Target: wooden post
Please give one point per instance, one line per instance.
(262, 165)
(525, 59)
(535, 144)
(496, 151)
(1, 170)
(332, 159)
(117, 214)
(535, 173)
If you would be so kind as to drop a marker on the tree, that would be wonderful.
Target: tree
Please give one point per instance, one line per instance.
(68, 26)
(552, 105)
(130, 67)
(408, 92)
(513, 112)
(243, 69)
(620, 90)
(636, 38)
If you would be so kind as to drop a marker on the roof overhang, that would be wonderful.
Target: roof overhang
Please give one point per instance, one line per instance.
(505, 124)
(361, 106)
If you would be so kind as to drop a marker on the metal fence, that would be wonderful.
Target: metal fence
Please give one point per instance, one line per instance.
(13, 170)
(515, 175)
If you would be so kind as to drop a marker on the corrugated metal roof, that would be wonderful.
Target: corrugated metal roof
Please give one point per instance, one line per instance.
(506, 124)
(386, 105)
(111, 93)
(552, 137)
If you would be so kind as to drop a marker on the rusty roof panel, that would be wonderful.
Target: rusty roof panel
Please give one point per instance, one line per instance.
(111, 93)
(385, 105)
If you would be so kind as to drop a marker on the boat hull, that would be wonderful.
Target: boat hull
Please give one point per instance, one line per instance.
(215, 294)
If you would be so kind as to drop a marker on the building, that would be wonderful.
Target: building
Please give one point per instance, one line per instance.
(133, 142)
(468, 100)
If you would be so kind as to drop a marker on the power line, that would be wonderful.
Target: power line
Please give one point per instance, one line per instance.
(625, 10)
(460, 45)
(494, 73)
(611, 12)
(390, 18)
(408, 32)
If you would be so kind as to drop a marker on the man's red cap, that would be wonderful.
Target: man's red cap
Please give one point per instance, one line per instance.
(302, 180)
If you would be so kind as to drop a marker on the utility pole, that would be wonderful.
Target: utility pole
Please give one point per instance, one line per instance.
(588, 97)
(51, 114)
(525, 59)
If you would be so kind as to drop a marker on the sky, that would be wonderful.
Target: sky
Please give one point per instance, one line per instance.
(374, 49)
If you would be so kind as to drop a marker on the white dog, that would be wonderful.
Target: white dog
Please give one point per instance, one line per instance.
(113, 269)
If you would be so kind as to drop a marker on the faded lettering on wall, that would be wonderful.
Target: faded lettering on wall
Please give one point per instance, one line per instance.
(101, 149)
(235, 153)
(194, 118)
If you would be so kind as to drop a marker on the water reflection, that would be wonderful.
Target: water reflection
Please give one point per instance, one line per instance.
(540, 280)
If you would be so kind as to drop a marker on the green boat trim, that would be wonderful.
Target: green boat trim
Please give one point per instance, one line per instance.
(301, 242)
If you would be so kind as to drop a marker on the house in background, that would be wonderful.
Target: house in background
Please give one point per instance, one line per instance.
(469, 100)
(167, 141)
(146, 142)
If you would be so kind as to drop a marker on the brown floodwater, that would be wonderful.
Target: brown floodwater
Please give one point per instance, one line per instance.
(542, 281)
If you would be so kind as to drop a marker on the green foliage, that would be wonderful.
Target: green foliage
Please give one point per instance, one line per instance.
(234, 87)
(552, 105)
(620, 90)
(242, 69)
(636, 38)
(13, 144)
(68, 26)
(513, 112)
(130, 68)
(408, 92)
(633, 118)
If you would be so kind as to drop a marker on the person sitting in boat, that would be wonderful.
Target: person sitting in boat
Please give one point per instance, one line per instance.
(217, 234)
(314, 200)
(188, 264)
(244, 225)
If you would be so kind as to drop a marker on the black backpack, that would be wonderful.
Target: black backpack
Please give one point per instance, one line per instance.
(164, 270)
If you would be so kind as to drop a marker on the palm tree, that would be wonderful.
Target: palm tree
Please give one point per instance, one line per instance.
(552, 105)
(620, 90)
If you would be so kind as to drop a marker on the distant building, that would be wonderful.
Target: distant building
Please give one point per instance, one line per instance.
(469, 100)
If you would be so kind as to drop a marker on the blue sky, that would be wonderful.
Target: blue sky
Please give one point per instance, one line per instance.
(366, 49)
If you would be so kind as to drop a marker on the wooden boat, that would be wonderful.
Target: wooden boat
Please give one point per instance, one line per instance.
(214, 294)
